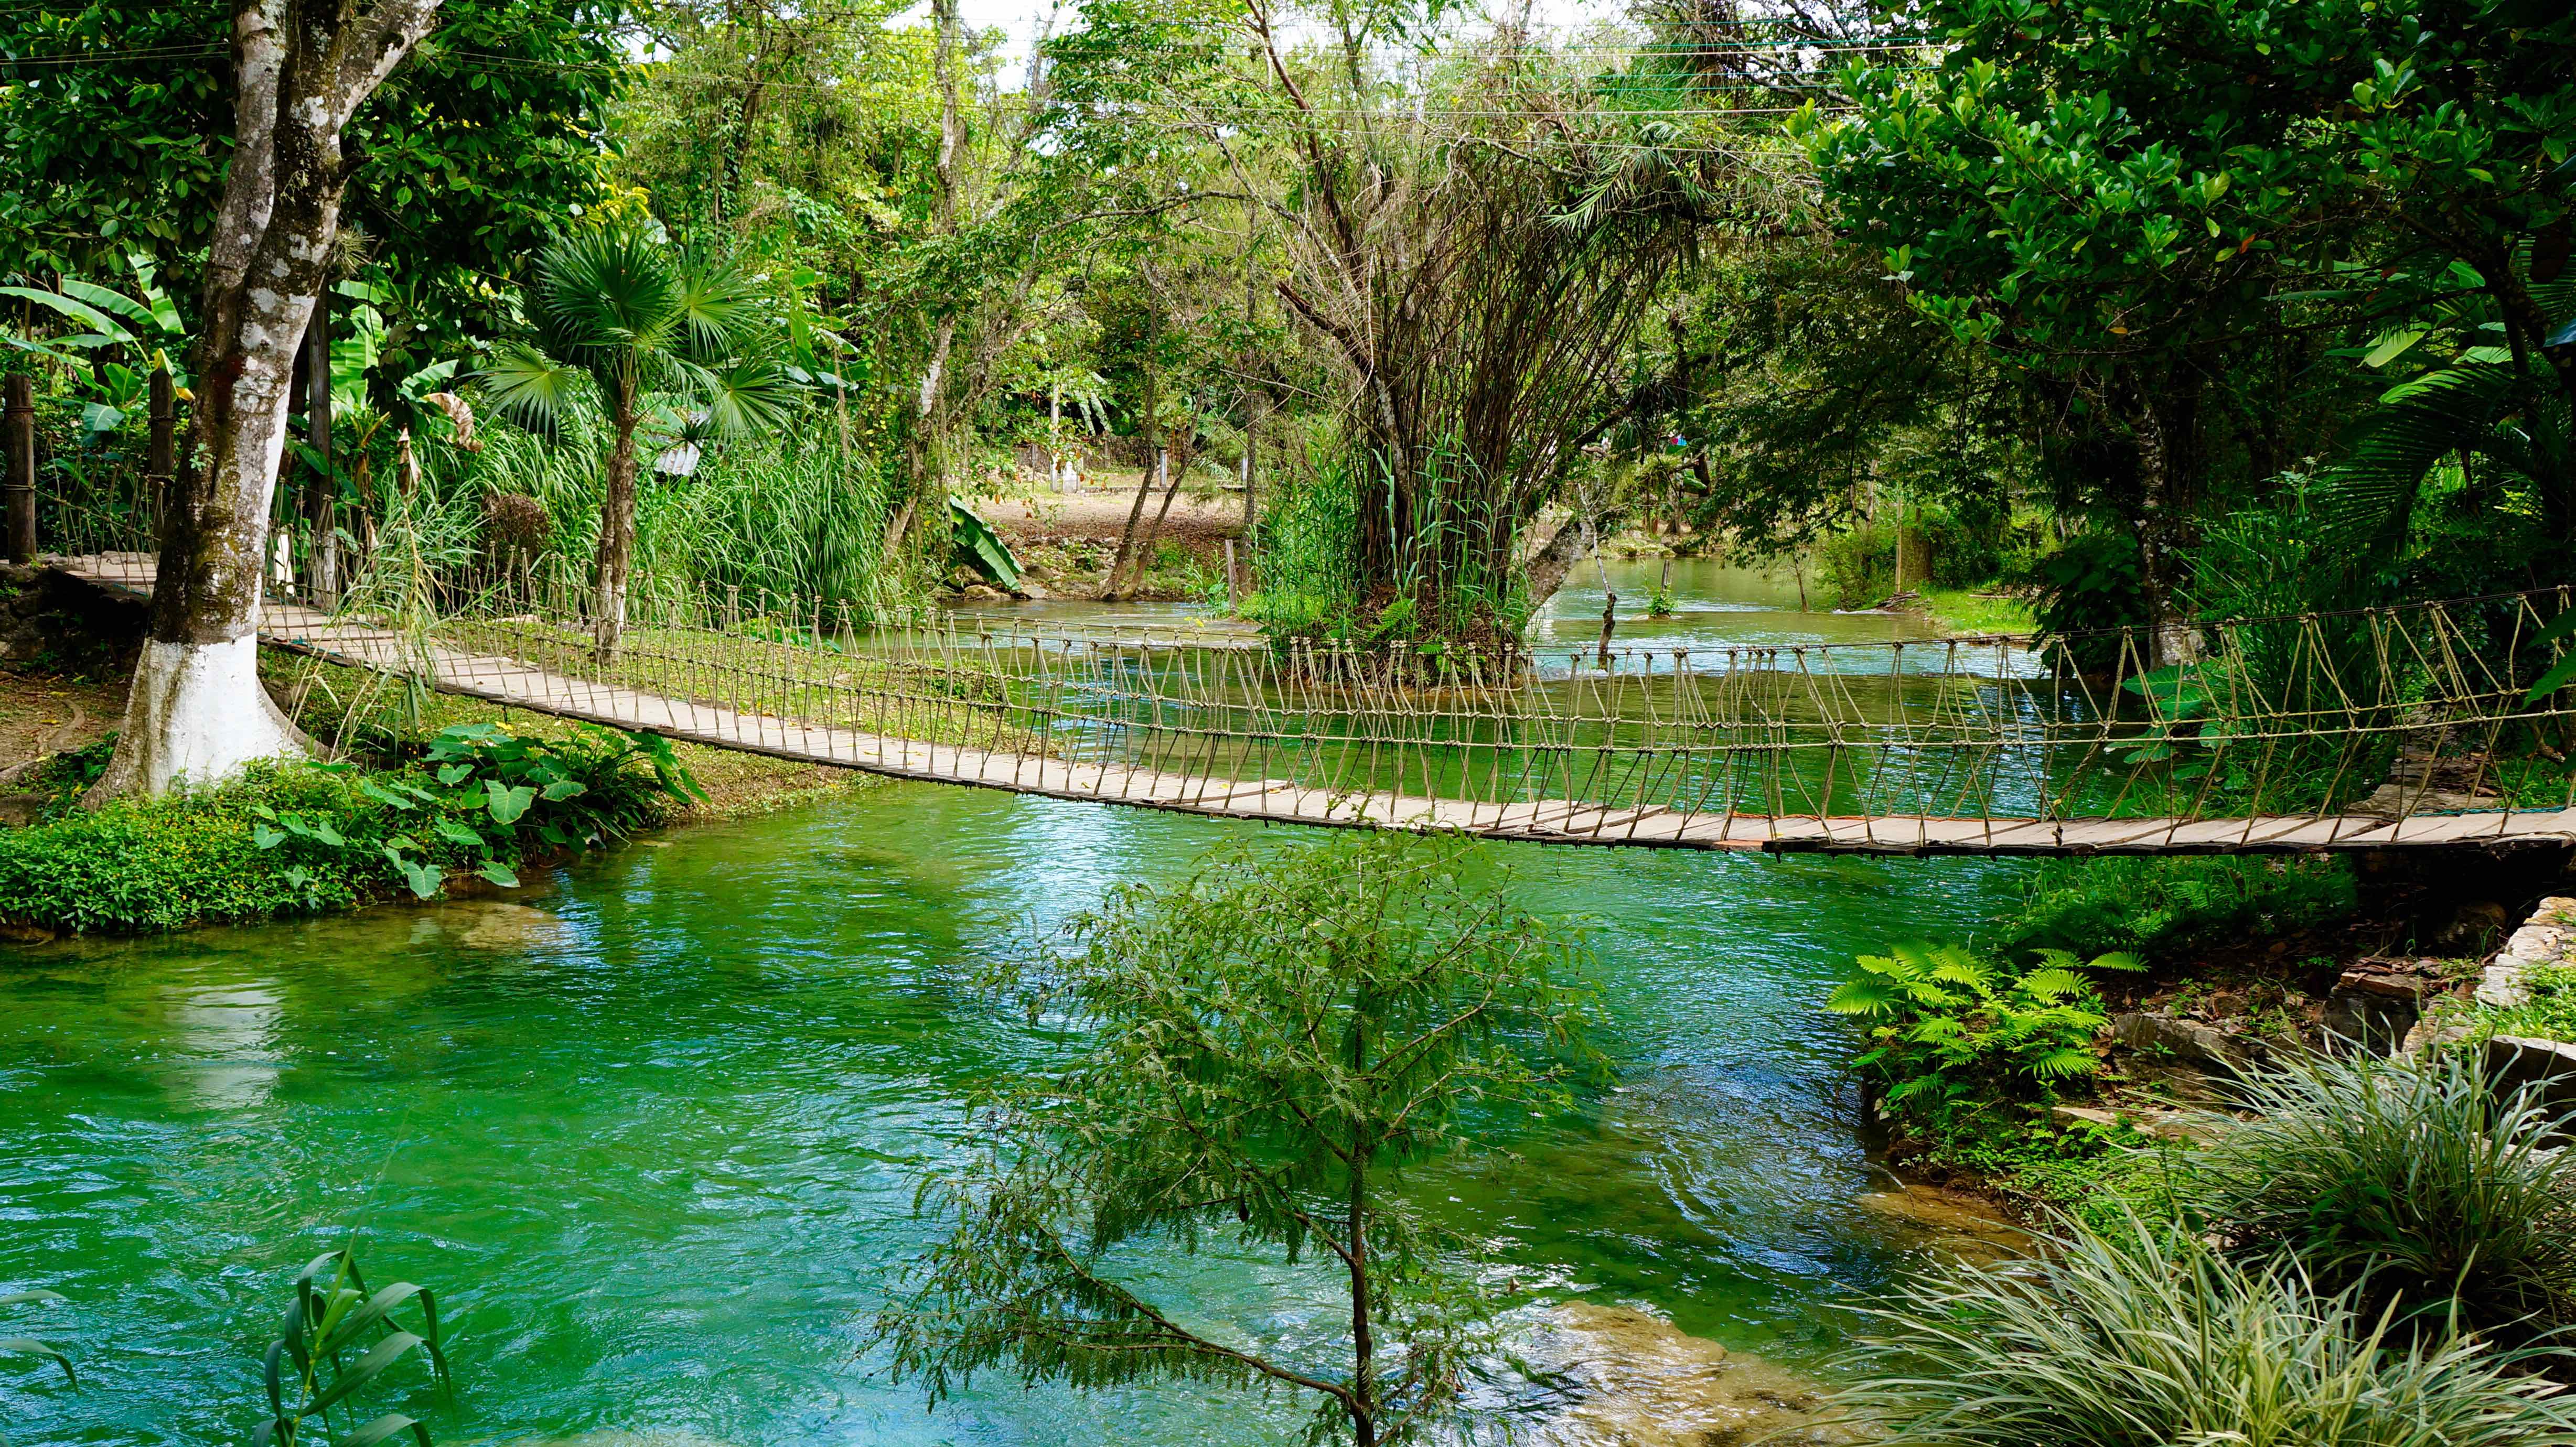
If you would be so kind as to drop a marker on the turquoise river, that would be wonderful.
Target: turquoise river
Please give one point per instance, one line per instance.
(654, 1125)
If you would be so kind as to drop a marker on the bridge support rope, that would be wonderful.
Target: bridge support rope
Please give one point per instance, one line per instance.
(2392, 728)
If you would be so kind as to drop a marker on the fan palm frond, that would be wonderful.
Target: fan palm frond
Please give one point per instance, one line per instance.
(531, 388)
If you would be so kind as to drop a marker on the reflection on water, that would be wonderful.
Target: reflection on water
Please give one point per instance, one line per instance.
(224, 1059)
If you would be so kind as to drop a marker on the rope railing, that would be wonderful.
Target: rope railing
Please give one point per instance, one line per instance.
(2342, 730)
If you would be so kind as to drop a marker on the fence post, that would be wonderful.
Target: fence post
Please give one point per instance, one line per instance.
(322, 494)
(161, 452)
(20, 418)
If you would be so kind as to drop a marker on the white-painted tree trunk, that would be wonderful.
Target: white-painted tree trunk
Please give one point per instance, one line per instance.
(185, 722)
(197, 715)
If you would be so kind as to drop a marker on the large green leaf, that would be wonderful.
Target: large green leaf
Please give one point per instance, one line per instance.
(378, 1360)
(106, 326)
(30, 1347)
(982, 547)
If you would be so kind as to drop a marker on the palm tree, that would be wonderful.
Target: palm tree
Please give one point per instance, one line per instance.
(623, 311)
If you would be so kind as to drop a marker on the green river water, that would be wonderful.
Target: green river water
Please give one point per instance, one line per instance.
(653, 1126)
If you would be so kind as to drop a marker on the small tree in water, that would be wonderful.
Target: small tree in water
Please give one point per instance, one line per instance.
(1265, 1049)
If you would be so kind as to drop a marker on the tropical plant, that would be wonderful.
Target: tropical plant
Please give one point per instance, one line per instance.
(2155, 908)
(333, 1314)
(2144, 1336)
(490, 793)
(21, 1346)
(1263, 1049)
(1945, 1024)
(2087, 593)
(2414, 1185)
(626, 318)
(126, 339)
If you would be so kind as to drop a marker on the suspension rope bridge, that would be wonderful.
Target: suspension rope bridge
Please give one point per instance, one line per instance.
(2400, 727)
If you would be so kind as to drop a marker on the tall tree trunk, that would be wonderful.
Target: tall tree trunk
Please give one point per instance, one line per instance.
(1154, 464)
(196, 714)
(1144, 486)
(321, 510)
(1173, 471)
(2168, 476)
(616, 538)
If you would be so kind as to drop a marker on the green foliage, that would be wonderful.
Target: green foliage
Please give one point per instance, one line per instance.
(1258, 1055)
(2550, 1013)
(2086, 593)
(1946, 1025)
(2142, 1335)
(333, 1317)
(621, 309)
(1304, 561)
(315, 838)
(468, 156)
(20, 1346)
(2412, 1186)
(2160, 908)
(2088, 1172)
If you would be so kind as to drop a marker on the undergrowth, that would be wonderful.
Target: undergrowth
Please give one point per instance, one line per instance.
(311, 838)
(2156, 908)
(2549, 1013)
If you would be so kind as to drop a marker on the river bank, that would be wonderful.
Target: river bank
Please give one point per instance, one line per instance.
(301, 840)
(2240, 965)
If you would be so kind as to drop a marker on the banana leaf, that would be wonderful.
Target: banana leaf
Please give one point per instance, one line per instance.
(982, 548)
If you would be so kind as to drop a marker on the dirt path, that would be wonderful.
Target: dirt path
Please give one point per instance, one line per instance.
(49, 715)
(1103, 516)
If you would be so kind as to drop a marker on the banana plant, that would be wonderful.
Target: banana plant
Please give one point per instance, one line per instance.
(308, 1375)
(127, 338)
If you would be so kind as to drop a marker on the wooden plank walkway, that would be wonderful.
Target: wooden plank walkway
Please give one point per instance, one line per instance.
(520, 684)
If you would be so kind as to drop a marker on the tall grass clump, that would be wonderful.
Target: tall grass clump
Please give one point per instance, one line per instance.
(1309, 577)
(2145, 1336)
(796, 514)
(2412, 1184)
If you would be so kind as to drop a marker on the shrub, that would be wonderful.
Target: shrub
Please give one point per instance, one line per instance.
(2414, 1185)
(1946, 1025)
(2144, 1336)
(2156, 907)
(311, 838)
(2093, 584)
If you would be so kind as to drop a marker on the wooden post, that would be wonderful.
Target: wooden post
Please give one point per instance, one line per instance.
(161, 455)
(20, 417)
(322, 493)
(1233, 580)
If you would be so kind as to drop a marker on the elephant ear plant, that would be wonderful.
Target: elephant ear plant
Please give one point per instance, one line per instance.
(309, 1372)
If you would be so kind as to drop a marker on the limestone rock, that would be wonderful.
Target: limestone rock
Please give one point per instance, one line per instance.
(1950, 1222)
(2399, 801)
(1622, 1377)
(2375, 1004)
(2546, 1067)
(2163, 1125)
(2185, 1039)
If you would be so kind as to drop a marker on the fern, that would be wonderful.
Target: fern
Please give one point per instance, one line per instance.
(1946, 1023)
